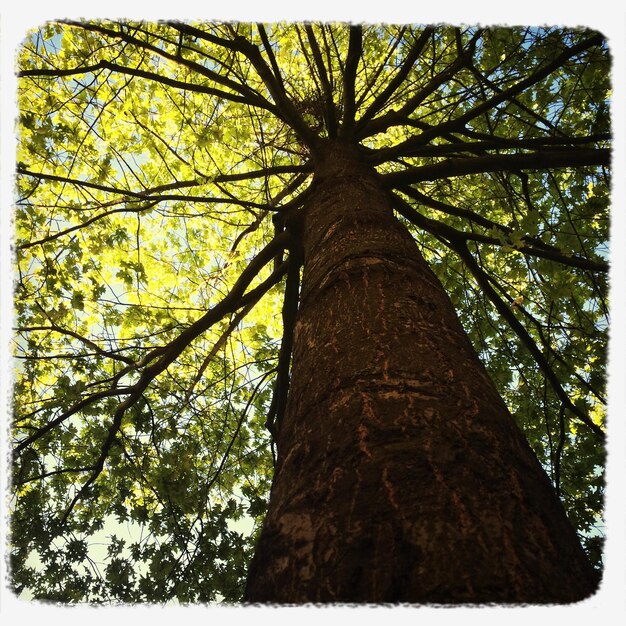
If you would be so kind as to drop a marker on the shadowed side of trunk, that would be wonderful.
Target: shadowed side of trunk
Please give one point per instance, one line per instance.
(401, 476)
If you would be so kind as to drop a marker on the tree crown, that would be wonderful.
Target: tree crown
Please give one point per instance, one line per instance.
(160, 170)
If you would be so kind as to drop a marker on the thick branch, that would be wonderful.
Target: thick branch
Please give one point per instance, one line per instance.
(415, 148)
(57, 73)
(290, 310)
(270, 55)
(75, 408)
(355, 48)
(513, 100)
(286, 107)
(499, 163)
(231, 302)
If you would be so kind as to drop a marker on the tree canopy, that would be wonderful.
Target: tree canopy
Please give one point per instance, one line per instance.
(158, 167)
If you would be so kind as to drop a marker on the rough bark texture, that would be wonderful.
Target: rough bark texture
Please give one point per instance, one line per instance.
(401, 476)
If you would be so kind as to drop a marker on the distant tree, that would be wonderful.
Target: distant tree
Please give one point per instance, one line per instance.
(270, 254)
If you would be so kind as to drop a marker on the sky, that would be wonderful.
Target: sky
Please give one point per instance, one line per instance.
(604, 15)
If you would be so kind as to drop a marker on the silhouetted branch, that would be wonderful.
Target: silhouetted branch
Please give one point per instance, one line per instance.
(507, 313)
(148, 194)
(458, 124)
(290, 310)
(171, 352)
(270, 55)
(393, 118)
(499, 163)
(165, 355)
(91, 220)
(66, 331)
(329, 105)
(457, 242)
(531, 245)
(286, 109)
(355, 48)
(403, 71)
(131, 71)
(253, 98)
(415, 148)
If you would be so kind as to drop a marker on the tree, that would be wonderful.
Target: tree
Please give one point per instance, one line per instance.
(250, 252)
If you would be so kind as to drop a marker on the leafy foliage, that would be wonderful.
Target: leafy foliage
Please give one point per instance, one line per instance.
(157, 167)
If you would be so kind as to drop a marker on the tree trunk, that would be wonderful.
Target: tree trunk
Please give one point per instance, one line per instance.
(401, 476)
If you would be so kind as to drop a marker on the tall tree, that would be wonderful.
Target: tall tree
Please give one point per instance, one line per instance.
(254, 253)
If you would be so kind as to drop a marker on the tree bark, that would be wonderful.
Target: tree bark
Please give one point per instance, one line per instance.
(401, 476)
